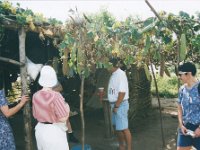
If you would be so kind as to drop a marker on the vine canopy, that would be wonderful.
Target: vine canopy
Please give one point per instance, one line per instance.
(86, 42)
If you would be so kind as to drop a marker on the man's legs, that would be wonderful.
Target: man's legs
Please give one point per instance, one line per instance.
(124, 139)
(128, 138)
(121, 140)
(120, 120)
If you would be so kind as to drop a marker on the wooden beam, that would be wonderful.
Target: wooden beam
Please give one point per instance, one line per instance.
(27, 107)
(13, 25)
(154, 11)
(8, 60)
(160, 112)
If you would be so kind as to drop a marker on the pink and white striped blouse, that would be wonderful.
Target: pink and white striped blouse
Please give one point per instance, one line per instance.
(49, 106)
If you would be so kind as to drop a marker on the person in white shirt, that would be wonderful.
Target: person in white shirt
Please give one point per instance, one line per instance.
(118, 94)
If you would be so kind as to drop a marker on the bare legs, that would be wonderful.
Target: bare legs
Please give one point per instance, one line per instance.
(124, 139)
(71, 137)
(184, 148)
(69, 126)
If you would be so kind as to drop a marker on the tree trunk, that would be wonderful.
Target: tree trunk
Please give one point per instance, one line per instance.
(82, 112)
(23, 73)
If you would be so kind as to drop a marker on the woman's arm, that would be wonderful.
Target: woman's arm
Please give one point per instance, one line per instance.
(11, 111)
(180, 116)
(180, 119)
(63, 119)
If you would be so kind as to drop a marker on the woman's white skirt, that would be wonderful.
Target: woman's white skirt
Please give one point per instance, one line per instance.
(50, 137)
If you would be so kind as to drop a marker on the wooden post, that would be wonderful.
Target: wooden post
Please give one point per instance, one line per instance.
(11, 61)
(82, 112)
(23, 73)
(107, 118)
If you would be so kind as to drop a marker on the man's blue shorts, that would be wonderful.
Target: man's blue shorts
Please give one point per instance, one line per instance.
(120, 118)
(186, 140)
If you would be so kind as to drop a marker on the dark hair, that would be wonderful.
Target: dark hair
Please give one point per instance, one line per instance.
(188, 67)
(118, 63)
(115, 61)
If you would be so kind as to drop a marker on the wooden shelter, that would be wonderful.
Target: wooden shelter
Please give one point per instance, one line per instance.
(21, 36)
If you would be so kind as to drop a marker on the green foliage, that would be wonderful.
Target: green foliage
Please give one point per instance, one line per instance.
(147, 46)
(167, 86)
(54, 22)
(92, 43)
(183, 47)
(24, 16)
(135, 43)
(184, 14)
(94, 38)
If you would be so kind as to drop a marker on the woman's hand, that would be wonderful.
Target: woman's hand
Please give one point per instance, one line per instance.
(197, 132)
(183, 129)
(24, 99)
(11, 111)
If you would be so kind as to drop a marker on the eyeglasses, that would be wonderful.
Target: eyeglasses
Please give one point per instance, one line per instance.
(182, 73)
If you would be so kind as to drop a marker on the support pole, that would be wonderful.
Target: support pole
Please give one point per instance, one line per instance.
(107, 118)
(159, 103)
(8, 60)
(82, 112)
(23, 73)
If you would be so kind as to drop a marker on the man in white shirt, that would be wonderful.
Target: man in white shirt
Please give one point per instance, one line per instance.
(118, 94)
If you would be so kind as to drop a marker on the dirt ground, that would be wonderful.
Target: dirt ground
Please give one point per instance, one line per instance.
(146, 135)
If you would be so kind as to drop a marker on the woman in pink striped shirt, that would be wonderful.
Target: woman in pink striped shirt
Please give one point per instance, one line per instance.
(51, 112)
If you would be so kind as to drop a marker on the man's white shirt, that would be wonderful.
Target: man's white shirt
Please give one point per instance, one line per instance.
(118, 83)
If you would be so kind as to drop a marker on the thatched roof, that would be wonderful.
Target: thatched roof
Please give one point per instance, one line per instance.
(40, 33)
(15, 17)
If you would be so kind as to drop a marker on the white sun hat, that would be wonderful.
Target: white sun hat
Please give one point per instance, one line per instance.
(48, 77)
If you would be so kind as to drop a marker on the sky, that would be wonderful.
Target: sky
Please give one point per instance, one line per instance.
(59, 9)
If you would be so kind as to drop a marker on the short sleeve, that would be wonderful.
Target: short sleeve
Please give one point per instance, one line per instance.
(122, 83)
(180, 94)
(61, 108)
(3, 100)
